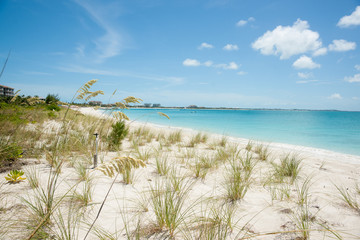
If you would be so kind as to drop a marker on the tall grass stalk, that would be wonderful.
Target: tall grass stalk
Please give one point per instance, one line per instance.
(216, 223)
(237, 182)
(82, 171)
(174, 137)
(44, 198)
(162, 165)
(222, 155)
(144, 154)
(264, 153)
(279, 192)
(68, 226)
(249, 146)
(223, 141)
(32, 176)
(199, 168)
(128, 175)
(289, 167)
(349, 197)
(248, 163)
(168, 206)
(303, 220)
(104, 234)
(188, 153)
(45, 203)
(303, 191)
(177, 180)
(85, 195)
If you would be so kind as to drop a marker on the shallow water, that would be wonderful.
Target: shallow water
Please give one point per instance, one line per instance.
(331, 130)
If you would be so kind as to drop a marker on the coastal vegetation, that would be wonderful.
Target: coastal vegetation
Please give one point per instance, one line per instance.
(151, 182)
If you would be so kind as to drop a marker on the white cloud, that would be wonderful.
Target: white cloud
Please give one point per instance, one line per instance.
(320, 52)
(242, 23)
(355, 98)
(241, 73)
(208, 63)
(342, 45)
(355, 78)
(195, 63)
(335, 96)
(306, 81)
(287, 41)
(357, 67)
(231, 47)
(305, 62)
(80, 50)
(191, 62)
(231, 66)
(304, 75)
(111, 43)
(205, 45)
(353, 19)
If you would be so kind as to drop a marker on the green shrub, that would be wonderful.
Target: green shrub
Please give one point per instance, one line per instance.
(9, 153)
(51, 115)
(52, 99)
(118, 133)
(53, 107)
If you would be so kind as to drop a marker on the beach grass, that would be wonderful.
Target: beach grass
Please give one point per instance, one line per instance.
(162, 165)
(168, 206)
(289, 167)
(237, 182)
(349, 196)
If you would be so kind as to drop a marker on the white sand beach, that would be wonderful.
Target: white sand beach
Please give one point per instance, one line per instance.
(268, 209)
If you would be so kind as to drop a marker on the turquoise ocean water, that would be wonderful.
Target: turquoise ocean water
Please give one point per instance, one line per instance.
(331, 130)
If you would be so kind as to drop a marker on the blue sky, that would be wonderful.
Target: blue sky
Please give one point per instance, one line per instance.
(231, 53)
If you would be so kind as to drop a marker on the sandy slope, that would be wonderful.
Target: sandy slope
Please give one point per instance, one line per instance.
(258, 212)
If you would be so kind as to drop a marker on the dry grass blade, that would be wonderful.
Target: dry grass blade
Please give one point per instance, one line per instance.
(13, 99)
(119, 164)
(132, 99)
(84, 90)
(163, 115)
(120, 105)
(168, 205)
(120, 116)
(349, 197)
(93, 94)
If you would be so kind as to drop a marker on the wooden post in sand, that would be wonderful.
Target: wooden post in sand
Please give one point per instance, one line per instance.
(96, 150)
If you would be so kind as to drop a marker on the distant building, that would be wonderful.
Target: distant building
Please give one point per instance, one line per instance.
(95, 103)
(6, 91)
(192, 106)
(147, 105)
(156, 105)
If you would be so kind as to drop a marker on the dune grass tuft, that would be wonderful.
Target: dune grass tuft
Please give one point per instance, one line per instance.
(162, 165)
(237, 182)
(349, 196)
(289, 167)
(168, 206)
(175, 137)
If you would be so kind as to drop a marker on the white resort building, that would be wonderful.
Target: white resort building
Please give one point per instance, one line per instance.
(6, 91)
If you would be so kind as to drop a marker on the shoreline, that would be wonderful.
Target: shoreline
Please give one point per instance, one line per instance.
(239, 109)
(345, 157)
